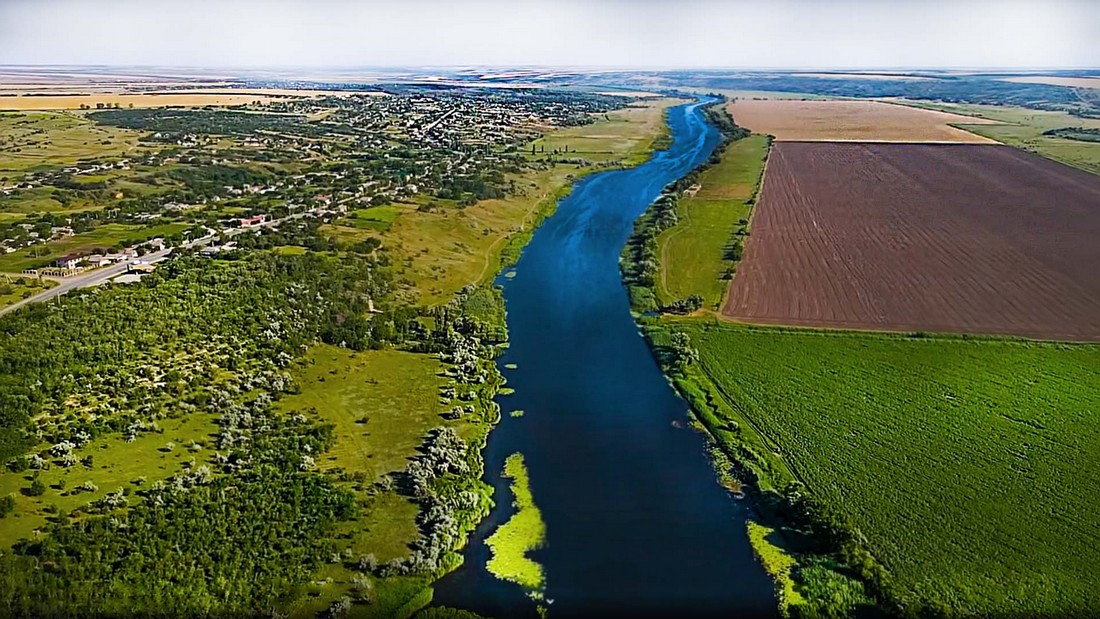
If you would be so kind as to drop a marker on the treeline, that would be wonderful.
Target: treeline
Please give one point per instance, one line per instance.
(1082, 134)
(207, 178)
(179, 122)
(953, 89)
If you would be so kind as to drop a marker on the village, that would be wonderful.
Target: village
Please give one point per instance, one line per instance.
(202, 175)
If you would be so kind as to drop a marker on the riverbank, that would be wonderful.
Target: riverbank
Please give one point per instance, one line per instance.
(678, 260)
(825, 428)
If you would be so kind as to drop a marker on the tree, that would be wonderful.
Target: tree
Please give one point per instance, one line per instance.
(683, 354)
(7, 505)
(37, 488)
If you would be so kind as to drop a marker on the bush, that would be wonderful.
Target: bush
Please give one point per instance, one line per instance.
(7, 505)
(37, 488)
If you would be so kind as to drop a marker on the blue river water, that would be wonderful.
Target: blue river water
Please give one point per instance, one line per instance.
(637, 524)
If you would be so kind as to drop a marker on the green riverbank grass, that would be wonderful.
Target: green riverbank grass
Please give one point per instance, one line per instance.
(525, 531)
(447, 248)
(930, 446)
(694, 254)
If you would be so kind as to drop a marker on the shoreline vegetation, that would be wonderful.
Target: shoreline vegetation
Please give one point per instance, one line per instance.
(823, 429)
(523, 532)
(737, 168)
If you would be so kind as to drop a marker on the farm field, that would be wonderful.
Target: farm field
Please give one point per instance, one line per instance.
(831, 120)
(1025, 129)
(951, 238)
(1072, 82)
(693, 256)
(139, 100)
(967, 464)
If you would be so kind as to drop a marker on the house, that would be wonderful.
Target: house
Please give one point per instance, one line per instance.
(249, 222)
(68, 261)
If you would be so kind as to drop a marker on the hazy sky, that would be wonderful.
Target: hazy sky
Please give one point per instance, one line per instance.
(644, 33)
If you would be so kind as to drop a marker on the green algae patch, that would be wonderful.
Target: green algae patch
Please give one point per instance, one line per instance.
(777, 563)
(525, 531)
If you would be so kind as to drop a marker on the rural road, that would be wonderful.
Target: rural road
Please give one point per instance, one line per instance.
(91, 278)
(100, 275)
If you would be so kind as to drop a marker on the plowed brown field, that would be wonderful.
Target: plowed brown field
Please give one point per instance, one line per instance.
(907, 237)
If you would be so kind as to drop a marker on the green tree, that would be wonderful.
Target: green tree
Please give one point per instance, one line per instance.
(7, 505)
(37, 488)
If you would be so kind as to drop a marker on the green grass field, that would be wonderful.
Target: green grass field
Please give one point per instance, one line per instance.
(969, 465)
(1023, 128)
(378, 218)
(382, 403)
(525, 531)
(623, 135)
(42, 139)
(107, 235)
(13, 289)
(693, 252)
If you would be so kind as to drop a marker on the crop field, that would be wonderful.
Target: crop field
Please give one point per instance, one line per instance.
(829, 120)
(1072, 82)
(969, 465)
(693, 253)
(377, 218)
(142, 100)
(1026, 129)
(951, 238)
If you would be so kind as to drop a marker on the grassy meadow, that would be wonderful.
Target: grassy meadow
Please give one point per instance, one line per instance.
(109, 464)
(15, 289)
(46, 140)
(381, 404)
(693, 253)
(969, 465)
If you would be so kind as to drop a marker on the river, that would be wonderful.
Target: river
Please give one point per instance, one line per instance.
(636, 521)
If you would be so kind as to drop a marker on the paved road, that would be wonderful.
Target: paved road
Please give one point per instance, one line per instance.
(100, 275)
